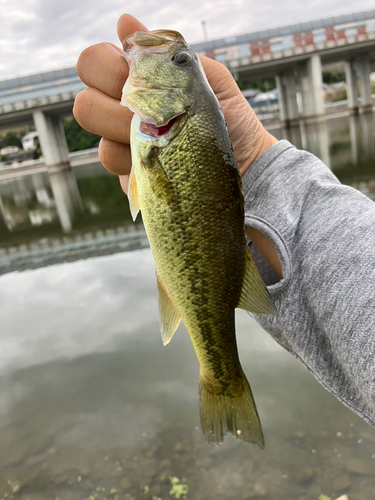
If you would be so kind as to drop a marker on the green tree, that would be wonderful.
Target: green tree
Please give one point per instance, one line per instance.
(11, 138)
(78, 138)
(263, 84)
(334, 76)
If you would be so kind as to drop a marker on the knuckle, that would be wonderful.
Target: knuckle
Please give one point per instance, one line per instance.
(103, 154)
(83, 108)
(114, 156)
(79, 104)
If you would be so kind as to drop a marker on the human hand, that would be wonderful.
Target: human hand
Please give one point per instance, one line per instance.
(103, 69)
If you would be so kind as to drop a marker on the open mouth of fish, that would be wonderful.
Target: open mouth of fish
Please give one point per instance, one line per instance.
(153, 131)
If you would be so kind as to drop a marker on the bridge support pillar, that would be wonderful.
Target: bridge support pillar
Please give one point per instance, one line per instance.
(363, 68)
(56, 155)
(351, 87)
(310, 79)
(52, 141)
(288, 107)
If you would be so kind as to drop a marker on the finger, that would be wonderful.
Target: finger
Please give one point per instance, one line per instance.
(124, 183)
(127, 25)
(102, 115)
(115, 156)
(219, 78)
(103, 66)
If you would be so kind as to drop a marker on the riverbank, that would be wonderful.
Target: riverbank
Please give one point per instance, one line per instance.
(89, 156)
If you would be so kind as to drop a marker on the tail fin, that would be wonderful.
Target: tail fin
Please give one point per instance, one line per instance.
(231, 411)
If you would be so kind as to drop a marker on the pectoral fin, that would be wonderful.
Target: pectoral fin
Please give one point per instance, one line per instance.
(133, 195)
(158, 179)
(169, 319)
(254, 295)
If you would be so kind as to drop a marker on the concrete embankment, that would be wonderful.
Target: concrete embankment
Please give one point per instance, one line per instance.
(77, 159)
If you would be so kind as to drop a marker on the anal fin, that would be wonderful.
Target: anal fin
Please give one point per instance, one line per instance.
(254, 294)
(169, 318)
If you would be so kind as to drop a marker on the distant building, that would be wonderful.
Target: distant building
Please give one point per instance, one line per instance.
(271, 96)
(20, 156)
(249, 94)
(28, 142)
(9, 150)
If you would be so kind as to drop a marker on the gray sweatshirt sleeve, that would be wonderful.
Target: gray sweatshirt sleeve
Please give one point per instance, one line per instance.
(324, 233)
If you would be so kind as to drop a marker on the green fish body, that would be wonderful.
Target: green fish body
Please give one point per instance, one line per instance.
(186, 182)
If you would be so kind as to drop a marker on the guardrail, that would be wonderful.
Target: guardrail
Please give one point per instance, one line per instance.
(37, 102)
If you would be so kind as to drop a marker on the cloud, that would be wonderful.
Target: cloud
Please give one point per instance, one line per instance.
(117, 299)
(39, 35)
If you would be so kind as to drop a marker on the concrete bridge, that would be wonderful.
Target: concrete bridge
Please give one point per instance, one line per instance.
(45, 99)
(294, 54)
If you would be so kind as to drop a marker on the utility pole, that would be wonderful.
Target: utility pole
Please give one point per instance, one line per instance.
(204, 27)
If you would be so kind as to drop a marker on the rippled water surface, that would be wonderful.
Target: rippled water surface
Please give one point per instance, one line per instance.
(92, 406)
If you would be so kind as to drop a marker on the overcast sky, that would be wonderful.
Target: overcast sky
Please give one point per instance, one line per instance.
(39, 35)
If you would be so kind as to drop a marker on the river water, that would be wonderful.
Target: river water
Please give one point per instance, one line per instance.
(92, 406)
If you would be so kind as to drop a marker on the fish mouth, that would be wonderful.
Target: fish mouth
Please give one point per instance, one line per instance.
(155, 132)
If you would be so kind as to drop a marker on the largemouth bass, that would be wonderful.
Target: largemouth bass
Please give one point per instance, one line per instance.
(186, 182)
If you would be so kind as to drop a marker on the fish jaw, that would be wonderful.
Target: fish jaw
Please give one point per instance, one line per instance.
(157, 106)
(158, 137)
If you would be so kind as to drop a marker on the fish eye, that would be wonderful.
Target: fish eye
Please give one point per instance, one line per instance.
(181, 58)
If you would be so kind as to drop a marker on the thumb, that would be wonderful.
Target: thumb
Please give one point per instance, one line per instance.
(220, 79)
(127, 25)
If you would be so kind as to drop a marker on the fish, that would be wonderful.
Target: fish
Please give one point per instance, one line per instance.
(186, 183)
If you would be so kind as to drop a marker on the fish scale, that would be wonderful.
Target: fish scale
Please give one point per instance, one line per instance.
(187, 185)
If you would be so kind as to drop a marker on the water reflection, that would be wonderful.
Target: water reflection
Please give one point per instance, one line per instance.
(355, 138)
(38, 200)
(312, 137)
(67, 197)
(69, 202)
(92, 406)
(340, 142)
(88, 391)
(366, 122)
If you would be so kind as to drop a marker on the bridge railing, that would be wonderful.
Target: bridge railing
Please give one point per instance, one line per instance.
(39, 95)
(233, 61)
(37, 102)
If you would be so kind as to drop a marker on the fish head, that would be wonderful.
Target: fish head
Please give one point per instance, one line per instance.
(163, 84)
